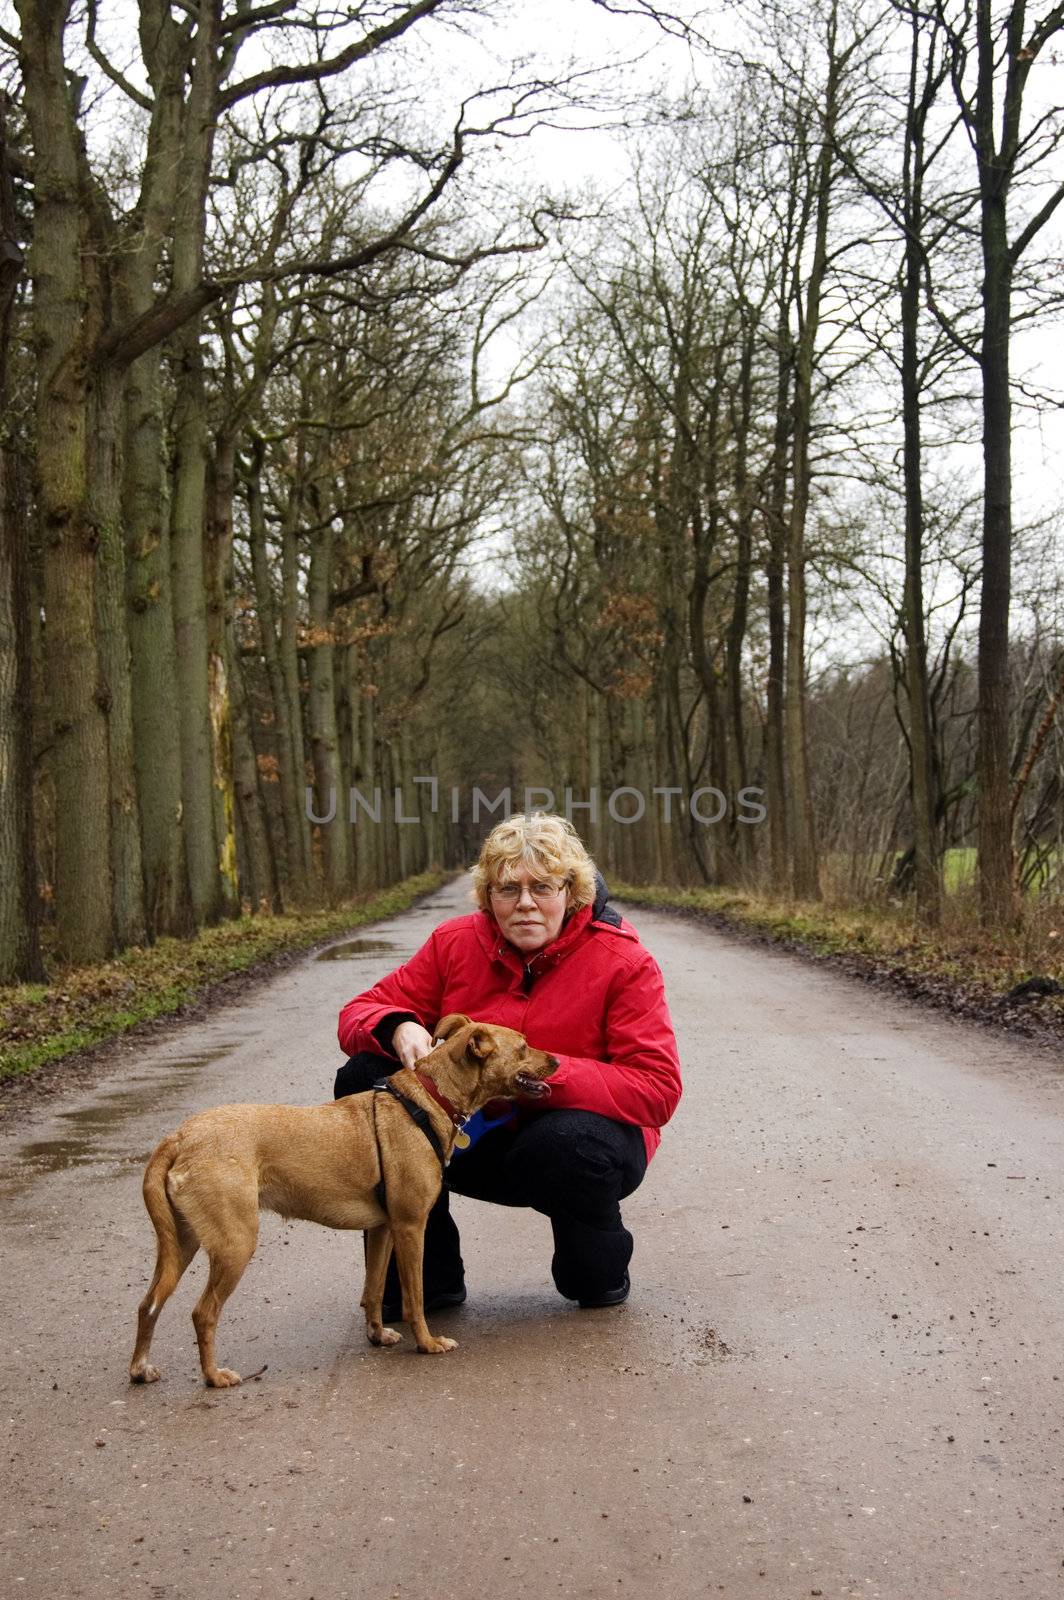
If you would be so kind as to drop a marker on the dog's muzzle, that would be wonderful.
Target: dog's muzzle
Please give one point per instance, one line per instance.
(536, 1087)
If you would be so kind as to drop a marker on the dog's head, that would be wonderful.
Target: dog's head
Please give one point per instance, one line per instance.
(483, 1062)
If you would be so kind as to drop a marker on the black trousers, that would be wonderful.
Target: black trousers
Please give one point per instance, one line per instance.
(573, 1166)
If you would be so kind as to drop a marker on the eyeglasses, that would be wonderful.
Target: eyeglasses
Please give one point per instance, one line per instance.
(510, 893)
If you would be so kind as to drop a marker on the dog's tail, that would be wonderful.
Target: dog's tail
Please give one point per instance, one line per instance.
(177, 1245)
(160, 1207)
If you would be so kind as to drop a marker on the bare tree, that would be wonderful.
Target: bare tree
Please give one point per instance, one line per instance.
(993, 50)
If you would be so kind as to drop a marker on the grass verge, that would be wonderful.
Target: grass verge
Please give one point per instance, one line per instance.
(84, 1006)
(959, 956)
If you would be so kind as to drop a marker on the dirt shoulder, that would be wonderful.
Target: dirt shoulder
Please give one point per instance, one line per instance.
(66, 1033)
(959, 969)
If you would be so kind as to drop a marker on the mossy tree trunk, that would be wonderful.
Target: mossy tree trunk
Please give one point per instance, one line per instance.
(204, 843)
(218, 565)
(324, 742)
(289, 774)
(20, 956)
(68, 535)
(146, 495)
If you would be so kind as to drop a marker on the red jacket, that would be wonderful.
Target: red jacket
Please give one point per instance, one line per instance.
(597, 1002)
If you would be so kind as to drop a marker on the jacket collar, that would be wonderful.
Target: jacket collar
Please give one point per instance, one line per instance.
(600, 911)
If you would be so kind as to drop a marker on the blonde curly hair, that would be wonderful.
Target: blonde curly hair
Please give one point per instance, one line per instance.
(544, 843)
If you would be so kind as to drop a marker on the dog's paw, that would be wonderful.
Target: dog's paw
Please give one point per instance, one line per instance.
(144, 1374)
(436, 1347)
(223, 1378)
(384, 1336)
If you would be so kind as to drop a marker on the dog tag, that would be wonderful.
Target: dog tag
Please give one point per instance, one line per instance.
(461, 1140)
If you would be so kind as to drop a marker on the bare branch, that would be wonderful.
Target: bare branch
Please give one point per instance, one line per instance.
(109, 70)
(329, 66)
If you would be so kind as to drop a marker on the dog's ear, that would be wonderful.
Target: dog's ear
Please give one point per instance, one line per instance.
(448, 1025)
(480, 1044)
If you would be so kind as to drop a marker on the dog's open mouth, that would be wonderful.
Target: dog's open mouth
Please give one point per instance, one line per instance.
(526, 1084)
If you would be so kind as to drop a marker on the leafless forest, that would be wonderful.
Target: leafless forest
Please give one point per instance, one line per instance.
(343, 446)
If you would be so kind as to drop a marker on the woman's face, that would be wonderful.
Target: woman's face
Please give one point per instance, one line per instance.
(530, 909)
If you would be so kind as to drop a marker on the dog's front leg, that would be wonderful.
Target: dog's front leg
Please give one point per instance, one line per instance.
(409, 1240)
(378, 1251)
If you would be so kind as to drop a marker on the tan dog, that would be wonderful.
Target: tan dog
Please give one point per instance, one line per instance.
(206, 1183)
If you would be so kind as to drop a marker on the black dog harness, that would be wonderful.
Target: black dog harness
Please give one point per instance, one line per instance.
(418, 1115)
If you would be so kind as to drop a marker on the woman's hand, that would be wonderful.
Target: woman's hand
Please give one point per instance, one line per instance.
(411, 1042)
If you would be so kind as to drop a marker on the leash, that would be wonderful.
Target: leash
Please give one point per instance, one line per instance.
(418, 1115)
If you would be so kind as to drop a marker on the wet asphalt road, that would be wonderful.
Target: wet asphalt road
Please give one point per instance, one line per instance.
(840, 1372)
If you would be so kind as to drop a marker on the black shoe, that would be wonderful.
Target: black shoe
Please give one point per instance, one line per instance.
(612, 1297)
(392, 1310)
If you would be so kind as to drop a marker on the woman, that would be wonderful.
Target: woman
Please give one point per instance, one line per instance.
(543, 954)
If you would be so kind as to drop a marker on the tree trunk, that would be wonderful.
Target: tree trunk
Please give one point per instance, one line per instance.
(388, 860)
(290, 669)
(595, 831)
(996, 896)
(153, 652)
(68, 536)
(261, 887)
(290, 778)
(408, 833)
(146, 501)
(366, 832)
(805, 877)
(776, 792)
(670, 844)
(188, 509)
(104, 436)
(995, 835)
(927, 859)
(642, 831)
(218, 562)
(20, 956)
(742, 836)
(328, 776)
(189, 576)
(105, 495)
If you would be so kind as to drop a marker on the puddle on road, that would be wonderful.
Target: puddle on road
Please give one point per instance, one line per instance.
(57, 1155)
(90, 1126)
(195, 1061)
(354, 948)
